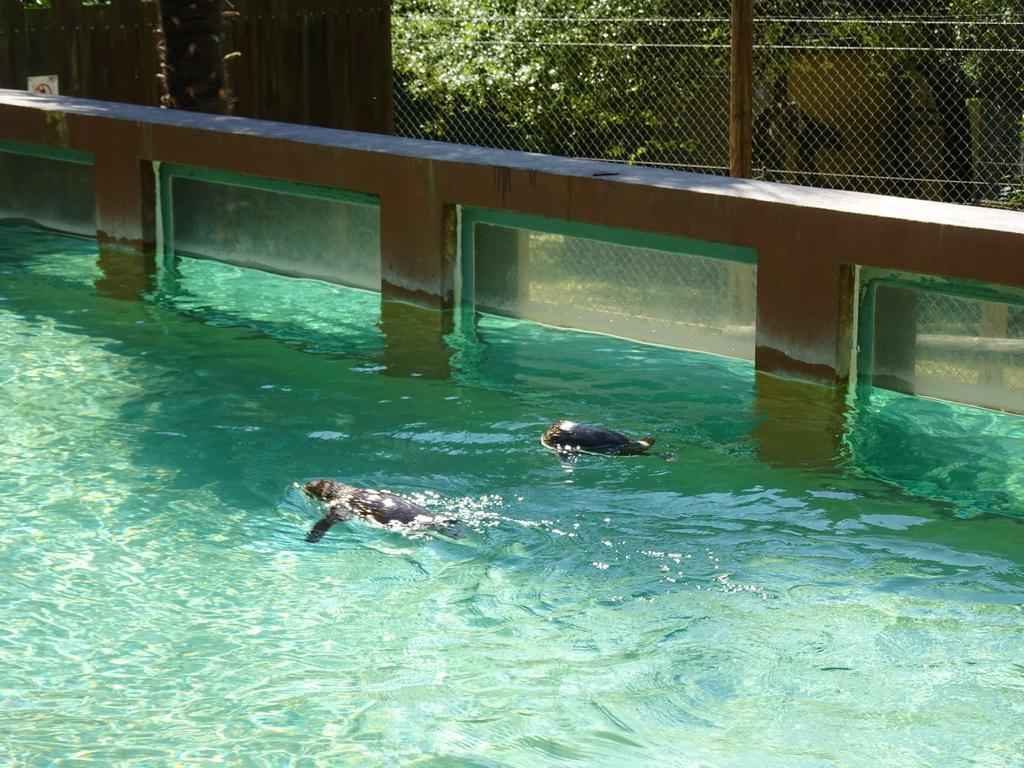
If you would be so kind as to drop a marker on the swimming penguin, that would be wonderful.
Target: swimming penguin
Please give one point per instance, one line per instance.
(569, 439)
(345, 502)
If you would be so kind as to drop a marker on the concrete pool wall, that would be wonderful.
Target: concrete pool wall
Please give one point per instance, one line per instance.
(810, 245)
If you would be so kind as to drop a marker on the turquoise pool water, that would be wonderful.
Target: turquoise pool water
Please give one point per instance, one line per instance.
(760, 600)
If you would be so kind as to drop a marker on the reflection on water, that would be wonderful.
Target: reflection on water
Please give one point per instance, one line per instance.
(415, 341)
(799, 424)
(125, 276)
(800, 588)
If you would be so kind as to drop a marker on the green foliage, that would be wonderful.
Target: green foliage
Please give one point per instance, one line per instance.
(578, 77)
(631, 79)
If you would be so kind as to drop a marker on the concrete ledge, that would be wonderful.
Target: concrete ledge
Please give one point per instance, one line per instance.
(808, 240)
(837, 201)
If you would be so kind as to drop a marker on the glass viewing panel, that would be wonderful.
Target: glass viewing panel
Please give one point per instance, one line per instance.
(285, 228)
(48, 190)
(950, 347)
(660, 290)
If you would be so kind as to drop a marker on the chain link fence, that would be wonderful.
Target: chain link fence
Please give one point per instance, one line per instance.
(919, 98)
(972, 342)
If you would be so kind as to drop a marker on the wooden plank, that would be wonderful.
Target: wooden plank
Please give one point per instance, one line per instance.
(304, 61)
(63, 47)
(318, 74)
(140, 25)
(12, 22)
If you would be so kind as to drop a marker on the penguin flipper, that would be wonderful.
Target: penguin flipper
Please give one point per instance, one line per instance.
(317, 531)
(335, 514)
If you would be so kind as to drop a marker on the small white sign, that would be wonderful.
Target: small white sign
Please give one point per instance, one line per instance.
(43, 84)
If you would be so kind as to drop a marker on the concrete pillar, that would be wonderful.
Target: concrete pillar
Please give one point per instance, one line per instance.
(418, 240)
(125, 186)
(804, 313)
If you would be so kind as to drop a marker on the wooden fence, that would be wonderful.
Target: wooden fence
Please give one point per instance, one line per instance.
(315, 62)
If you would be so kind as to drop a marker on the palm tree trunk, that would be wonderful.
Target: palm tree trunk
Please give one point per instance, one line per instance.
(191, 56)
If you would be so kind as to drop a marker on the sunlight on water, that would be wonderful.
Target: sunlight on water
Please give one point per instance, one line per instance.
(840, 587)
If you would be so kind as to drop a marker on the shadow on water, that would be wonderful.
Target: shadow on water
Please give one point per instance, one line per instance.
(415, 341)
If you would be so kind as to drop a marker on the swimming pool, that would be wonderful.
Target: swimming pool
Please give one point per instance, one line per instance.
(723, 609)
